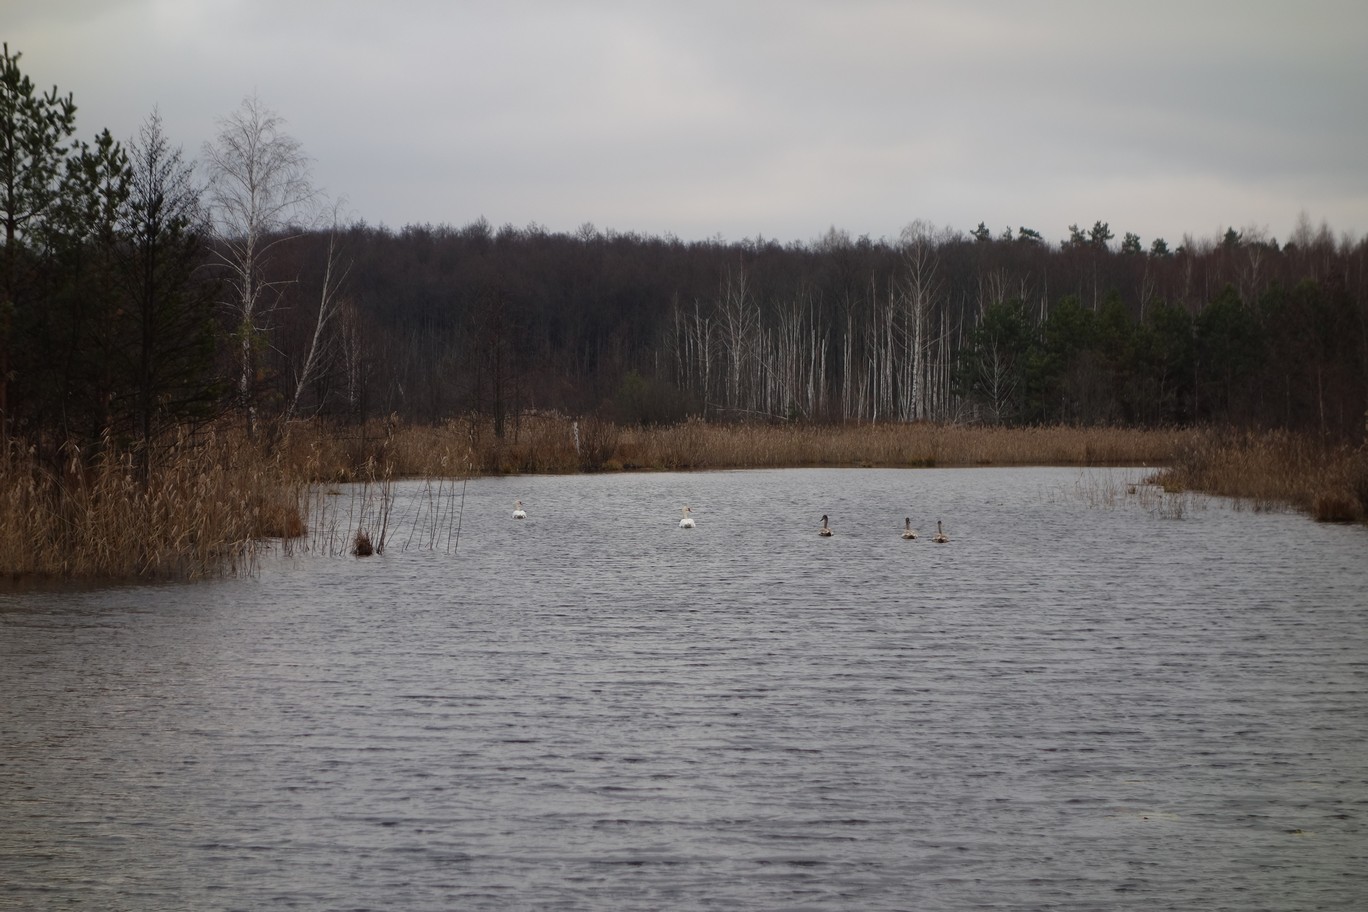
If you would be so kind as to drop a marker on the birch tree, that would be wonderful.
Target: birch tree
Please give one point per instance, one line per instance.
(797, 360)
(920, 286)
(691, 341)
(326, 339)
(259, 186)
(739, 323)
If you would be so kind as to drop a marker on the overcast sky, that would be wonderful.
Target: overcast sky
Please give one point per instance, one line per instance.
(745, 119)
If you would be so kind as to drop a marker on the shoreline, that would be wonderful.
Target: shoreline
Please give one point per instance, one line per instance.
(210, 497)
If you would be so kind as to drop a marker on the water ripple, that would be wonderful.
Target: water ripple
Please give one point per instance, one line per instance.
(1078, 703)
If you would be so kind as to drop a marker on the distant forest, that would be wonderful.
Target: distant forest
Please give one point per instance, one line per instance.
(140, 293)
(936, 326)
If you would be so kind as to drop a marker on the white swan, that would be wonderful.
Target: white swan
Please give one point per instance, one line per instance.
(825, 531)
(687, 522)
(908, 531)
(518, 511)
(940, 537)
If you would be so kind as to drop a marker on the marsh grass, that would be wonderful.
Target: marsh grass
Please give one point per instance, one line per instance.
(1273, 470)
(199, 510)
(696, 445)
(355, 518)
(362, 546)
(551, 444)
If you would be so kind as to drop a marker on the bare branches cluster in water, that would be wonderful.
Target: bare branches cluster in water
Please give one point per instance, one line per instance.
(351, 519)
(1116, 489)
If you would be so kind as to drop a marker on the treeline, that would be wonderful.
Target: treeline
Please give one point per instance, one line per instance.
(108, 324)
(936, 326)
(142, 293)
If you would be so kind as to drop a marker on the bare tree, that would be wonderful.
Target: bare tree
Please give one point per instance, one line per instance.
(691, 340)
(797, 359)
(259, 186)
(325, 339)
(921, 286)
(739, 324)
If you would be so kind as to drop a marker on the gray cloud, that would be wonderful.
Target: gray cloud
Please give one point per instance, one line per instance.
(761, 118)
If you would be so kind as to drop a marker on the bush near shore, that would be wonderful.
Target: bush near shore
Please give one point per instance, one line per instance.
(209, 498)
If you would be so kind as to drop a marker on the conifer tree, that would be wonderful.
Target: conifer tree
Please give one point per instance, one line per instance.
(33, 129)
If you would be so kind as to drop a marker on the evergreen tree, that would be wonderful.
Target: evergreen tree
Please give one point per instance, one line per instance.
(992, 368)
(66, 364)
(170, 343)
(33, 129)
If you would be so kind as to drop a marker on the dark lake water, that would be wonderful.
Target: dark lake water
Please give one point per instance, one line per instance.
(1088, 699)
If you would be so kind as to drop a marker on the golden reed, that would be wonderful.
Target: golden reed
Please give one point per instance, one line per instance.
(702, 446)
(1272, 469)
(553, 444)
(196, 511)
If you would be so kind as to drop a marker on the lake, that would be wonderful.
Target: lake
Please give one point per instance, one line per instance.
(1094, 696)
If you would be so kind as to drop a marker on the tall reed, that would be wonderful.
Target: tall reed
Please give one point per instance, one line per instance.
(557, 444)
(703, 446)
(197, 510)
(1274, 469)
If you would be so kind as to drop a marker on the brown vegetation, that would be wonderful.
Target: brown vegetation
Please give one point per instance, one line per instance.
(1273, 469)
(1266, 469)
(363, 546)
(695, 445)
(552, 445)
(199, 509)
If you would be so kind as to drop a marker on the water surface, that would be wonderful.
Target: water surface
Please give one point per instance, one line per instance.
(1085, 700)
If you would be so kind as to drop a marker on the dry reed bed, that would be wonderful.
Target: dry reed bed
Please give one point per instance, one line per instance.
(203, 505)
(1262, 468)
(387, 448)
(550, 445)
(1273, 469)
(700, 446)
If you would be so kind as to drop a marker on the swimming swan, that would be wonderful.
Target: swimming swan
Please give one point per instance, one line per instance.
(518, 511)
(940, 537)
(908, 531)
(825, 531)
(687, 522)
